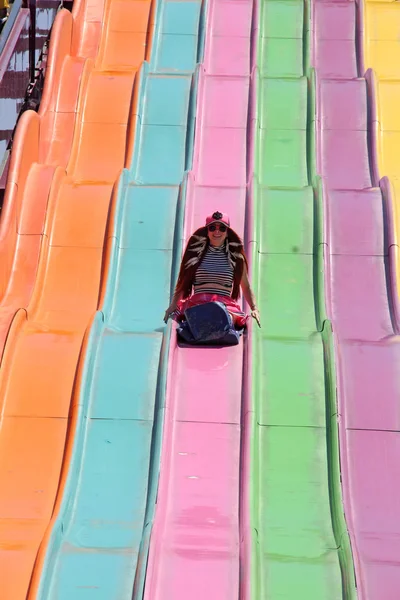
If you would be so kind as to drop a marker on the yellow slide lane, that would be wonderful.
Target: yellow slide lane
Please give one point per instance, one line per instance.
(382, 54)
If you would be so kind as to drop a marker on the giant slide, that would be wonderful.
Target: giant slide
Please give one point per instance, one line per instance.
(131, 466)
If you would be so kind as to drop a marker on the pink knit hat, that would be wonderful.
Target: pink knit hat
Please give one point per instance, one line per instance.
(218, 217)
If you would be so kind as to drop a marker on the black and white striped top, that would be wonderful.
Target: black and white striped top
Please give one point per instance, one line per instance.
(215, 273)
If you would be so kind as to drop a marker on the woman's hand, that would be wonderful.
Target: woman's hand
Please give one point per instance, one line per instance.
(256, 315)
(249, 296)
(171, 308)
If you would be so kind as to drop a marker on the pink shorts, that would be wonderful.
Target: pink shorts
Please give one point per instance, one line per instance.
(239, 317)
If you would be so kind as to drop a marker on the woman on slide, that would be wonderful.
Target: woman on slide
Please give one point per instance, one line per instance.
(213, 269)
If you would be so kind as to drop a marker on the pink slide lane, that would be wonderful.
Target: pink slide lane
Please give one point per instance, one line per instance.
(362, 299)
(195, 543)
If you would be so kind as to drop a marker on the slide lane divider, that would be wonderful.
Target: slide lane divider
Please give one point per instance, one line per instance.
(247, 413)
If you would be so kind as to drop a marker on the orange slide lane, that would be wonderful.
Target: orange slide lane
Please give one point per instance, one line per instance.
(40, 154)
(64, 165)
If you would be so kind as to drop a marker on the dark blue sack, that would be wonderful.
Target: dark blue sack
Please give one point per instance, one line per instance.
(209, 323)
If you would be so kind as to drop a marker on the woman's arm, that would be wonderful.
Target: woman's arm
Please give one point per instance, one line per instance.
(249, 296)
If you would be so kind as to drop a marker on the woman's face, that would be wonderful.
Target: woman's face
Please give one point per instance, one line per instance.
(217, 233)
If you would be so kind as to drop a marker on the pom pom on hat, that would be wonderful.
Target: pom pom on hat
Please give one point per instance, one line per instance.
(218, 217)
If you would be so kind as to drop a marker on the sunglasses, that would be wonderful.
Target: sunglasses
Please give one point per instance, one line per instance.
(222, 228)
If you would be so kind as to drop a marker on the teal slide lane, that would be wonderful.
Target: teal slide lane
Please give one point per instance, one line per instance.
(99, 542)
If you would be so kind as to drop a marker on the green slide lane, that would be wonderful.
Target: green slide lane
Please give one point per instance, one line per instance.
(300, 542)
